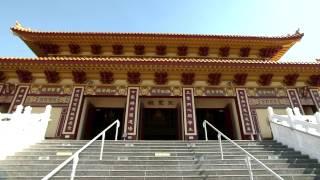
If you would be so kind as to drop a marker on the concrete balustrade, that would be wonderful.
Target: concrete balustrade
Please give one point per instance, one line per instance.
(22, 128)
(301, 132)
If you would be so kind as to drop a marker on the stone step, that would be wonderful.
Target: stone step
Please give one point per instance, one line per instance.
(161, 157)
(157, 162)
(151, 160)
(152, 153)
(199, 177)
(172, 155)
(49, 167)
(159, 144)
(96, 172)
(155, 141)
(134, 148)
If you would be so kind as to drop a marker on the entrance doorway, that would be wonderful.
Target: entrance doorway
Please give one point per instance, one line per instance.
(219, 118)
(159, 124)
(100, 118)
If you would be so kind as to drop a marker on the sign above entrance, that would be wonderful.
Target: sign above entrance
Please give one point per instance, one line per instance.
(160, 91)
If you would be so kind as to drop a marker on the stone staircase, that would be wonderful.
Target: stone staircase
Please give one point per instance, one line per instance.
(181, 160)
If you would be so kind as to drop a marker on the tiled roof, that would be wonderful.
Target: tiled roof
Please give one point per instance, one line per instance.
(154, 64)
(19, 28)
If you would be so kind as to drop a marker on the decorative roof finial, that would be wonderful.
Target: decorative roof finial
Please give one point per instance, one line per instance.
(298, 31)
(18, 25)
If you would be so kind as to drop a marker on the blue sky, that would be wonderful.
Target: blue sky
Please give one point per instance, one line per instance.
(233, 17)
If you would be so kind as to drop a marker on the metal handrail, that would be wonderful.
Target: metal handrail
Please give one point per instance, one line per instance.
(249, 156)
(75, 156)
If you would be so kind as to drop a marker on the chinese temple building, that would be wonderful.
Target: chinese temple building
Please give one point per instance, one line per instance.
(160, 86)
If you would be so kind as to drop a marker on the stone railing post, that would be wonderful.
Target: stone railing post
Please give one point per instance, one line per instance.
(290, 117)
(45, 118)
(299, 116)
(17, 114)
(297, 112)
(46, 114)
(270, 113)
(317, 115)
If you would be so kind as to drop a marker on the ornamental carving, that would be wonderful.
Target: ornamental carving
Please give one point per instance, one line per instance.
(74, 48)
(265, 79)
(161, 78)
(182, 50)
(187, 78)
(214, 78)
(49, 48)
(161, 50)
(52, 76)
(203, 51)
(117, 49)
(290, 79)
(96, 49)
(240, 79)
(133, 77)
(224, 51)
(139, 49)
(24, 76)
(8, 89)
(106, 77)
(244, 52)
(2, 76)
(269, 52)
(314, 80)
(79, 77)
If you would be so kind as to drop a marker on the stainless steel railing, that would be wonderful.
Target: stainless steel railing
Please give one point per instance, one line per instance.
(248, 155)
(75, 156)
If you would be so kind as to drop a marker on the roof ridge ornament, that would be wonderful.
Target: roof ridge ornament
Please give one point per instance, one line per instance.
(298, 32)
(19, 26)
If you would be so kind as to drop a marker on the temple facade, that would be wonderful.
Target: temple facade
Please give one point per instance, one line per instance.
(160, 86)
